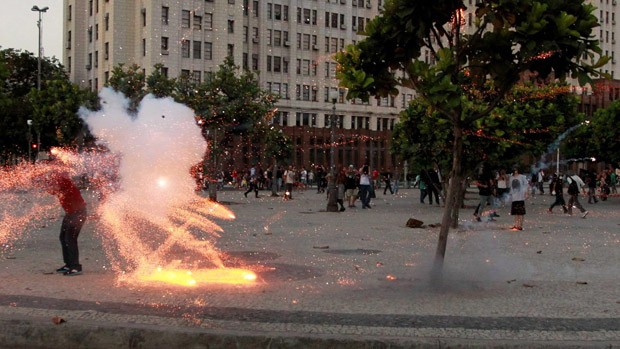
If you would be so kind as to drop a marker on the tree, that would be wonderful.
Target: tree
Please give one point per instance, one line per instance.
(599, 137)
(159, 84)
(55, 111)
(231, 102)
(277, 146)
(129, 81)
(469, 73)
(18, 81)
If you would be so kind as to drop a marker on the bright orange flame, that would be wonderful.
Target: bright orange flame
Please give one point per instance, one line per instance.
(192, 278)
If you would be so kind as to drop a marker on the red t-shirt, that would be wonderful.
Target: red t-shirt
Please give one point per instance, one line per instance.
(68, 193)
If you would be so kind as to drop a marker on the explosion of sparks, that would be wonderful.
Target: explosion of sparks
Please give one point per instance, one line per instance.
(155, 229)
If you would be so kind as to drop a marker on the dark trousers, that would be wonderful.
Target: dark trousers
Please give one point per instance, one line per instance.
(252, 187)
(433, 190)
(423, 194)
(559, 200)
(69, 232)
(388, 186)
(364, 194)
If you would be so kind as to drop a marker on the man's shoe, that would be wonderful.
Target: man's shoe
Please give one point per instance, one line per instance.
(342, 209)
(585, 214)
(63, 269)
(72, 272)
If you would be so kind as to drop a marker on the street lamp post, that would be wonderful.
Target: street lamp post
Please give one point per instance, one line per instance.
(29, 140)
(41, 11)
(332, 205)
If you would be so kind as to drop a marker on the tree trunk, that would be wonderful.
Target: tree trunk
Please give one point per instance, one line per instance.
(451, 201)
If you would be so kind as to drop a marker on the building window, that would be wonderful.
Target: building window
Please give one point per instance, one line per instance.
(197, 22)
(164, 15)
(90, 7)
(208, 21)
(106, 51)
(143, 47)
(69, 13)
(106, 22)
(231, 26)
(208, 51)
(96, 59)
(96, 32)
(185, 15)
(246, 10)
(254, 61)
(196, 76)
(164, 45)
(255, 8)
(185, 73)
(197, 50)
(230, 50)
(277, 64)
(144, 17)
(185, 48)
(69, 39)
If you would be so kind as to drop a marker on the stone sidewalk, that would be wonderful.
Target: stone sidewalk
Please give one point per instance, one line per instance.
(356, 279)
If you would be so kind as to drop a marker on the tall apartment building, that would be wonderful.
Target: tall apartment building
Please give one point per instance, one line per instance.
(290, 43)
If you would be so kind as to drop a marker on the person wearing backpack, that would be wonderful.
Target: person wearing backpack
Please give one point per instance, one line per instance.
(557, 187)
(574, 185)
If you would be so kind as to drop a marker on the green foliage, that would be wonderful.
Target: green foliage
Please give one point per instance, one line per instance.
(130, 81)
(54, 112)
(277, 144)
(18, 82)
(527, 121)
(598, 138)
(160, 85)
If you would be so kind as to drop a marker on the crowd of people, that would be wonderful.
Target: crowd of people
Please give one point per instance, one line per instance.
(496, 188)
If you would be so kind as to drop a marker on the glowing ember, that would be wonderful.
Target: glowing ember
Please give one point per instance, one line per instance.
(191, 278)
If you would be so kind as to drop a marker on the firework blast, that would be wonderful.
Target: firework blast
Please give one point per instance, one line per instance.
(153, 225)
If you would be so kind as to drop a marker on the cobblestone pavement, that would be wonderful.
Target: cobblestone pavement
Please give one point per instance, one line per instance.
(356, 279)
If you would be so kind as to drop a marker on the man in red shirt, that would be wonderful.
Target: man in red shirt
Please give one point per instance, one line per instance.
(58, 183)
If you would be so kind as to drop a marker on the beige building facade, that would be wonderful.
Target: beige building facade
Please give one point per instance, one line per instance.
(291, 44)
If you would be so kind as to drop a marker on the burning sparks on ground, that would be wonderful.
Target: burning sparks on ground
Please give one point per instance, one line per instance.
(154, 228)
(185, 277)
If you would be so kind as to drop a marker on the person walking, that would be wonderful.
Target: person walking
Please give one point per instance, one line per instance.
(364, 189)
(591, 182)
(351, 183)
(289, 180)
(519, 191)
(575, 185)
(433, 185)
(59, 184)
(252, 186)
(341, 180)
(421, 183)
(485, 192)
(387, 179)
(557, 187)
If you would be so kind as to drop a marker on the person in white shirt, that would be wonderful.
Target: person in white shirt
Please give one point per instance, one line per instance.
(519, 192)
(575, 185)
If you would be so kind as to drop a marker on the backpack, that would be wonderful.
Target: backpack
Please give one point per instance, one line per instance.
(573, 189)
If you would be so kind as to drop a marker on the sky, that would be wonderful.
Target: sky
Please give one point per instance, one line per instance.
(18, 26)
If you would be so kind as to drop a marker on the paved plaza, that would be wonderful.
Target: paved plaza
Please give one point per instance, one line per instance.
(356, 279)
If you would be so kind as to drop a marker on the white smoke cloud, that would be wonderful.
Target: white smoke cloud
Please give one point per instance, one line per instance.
(157, 146)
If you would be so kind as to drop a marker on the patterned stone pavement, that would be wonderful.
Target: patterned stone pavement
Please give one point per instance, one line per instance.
(356, 279)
